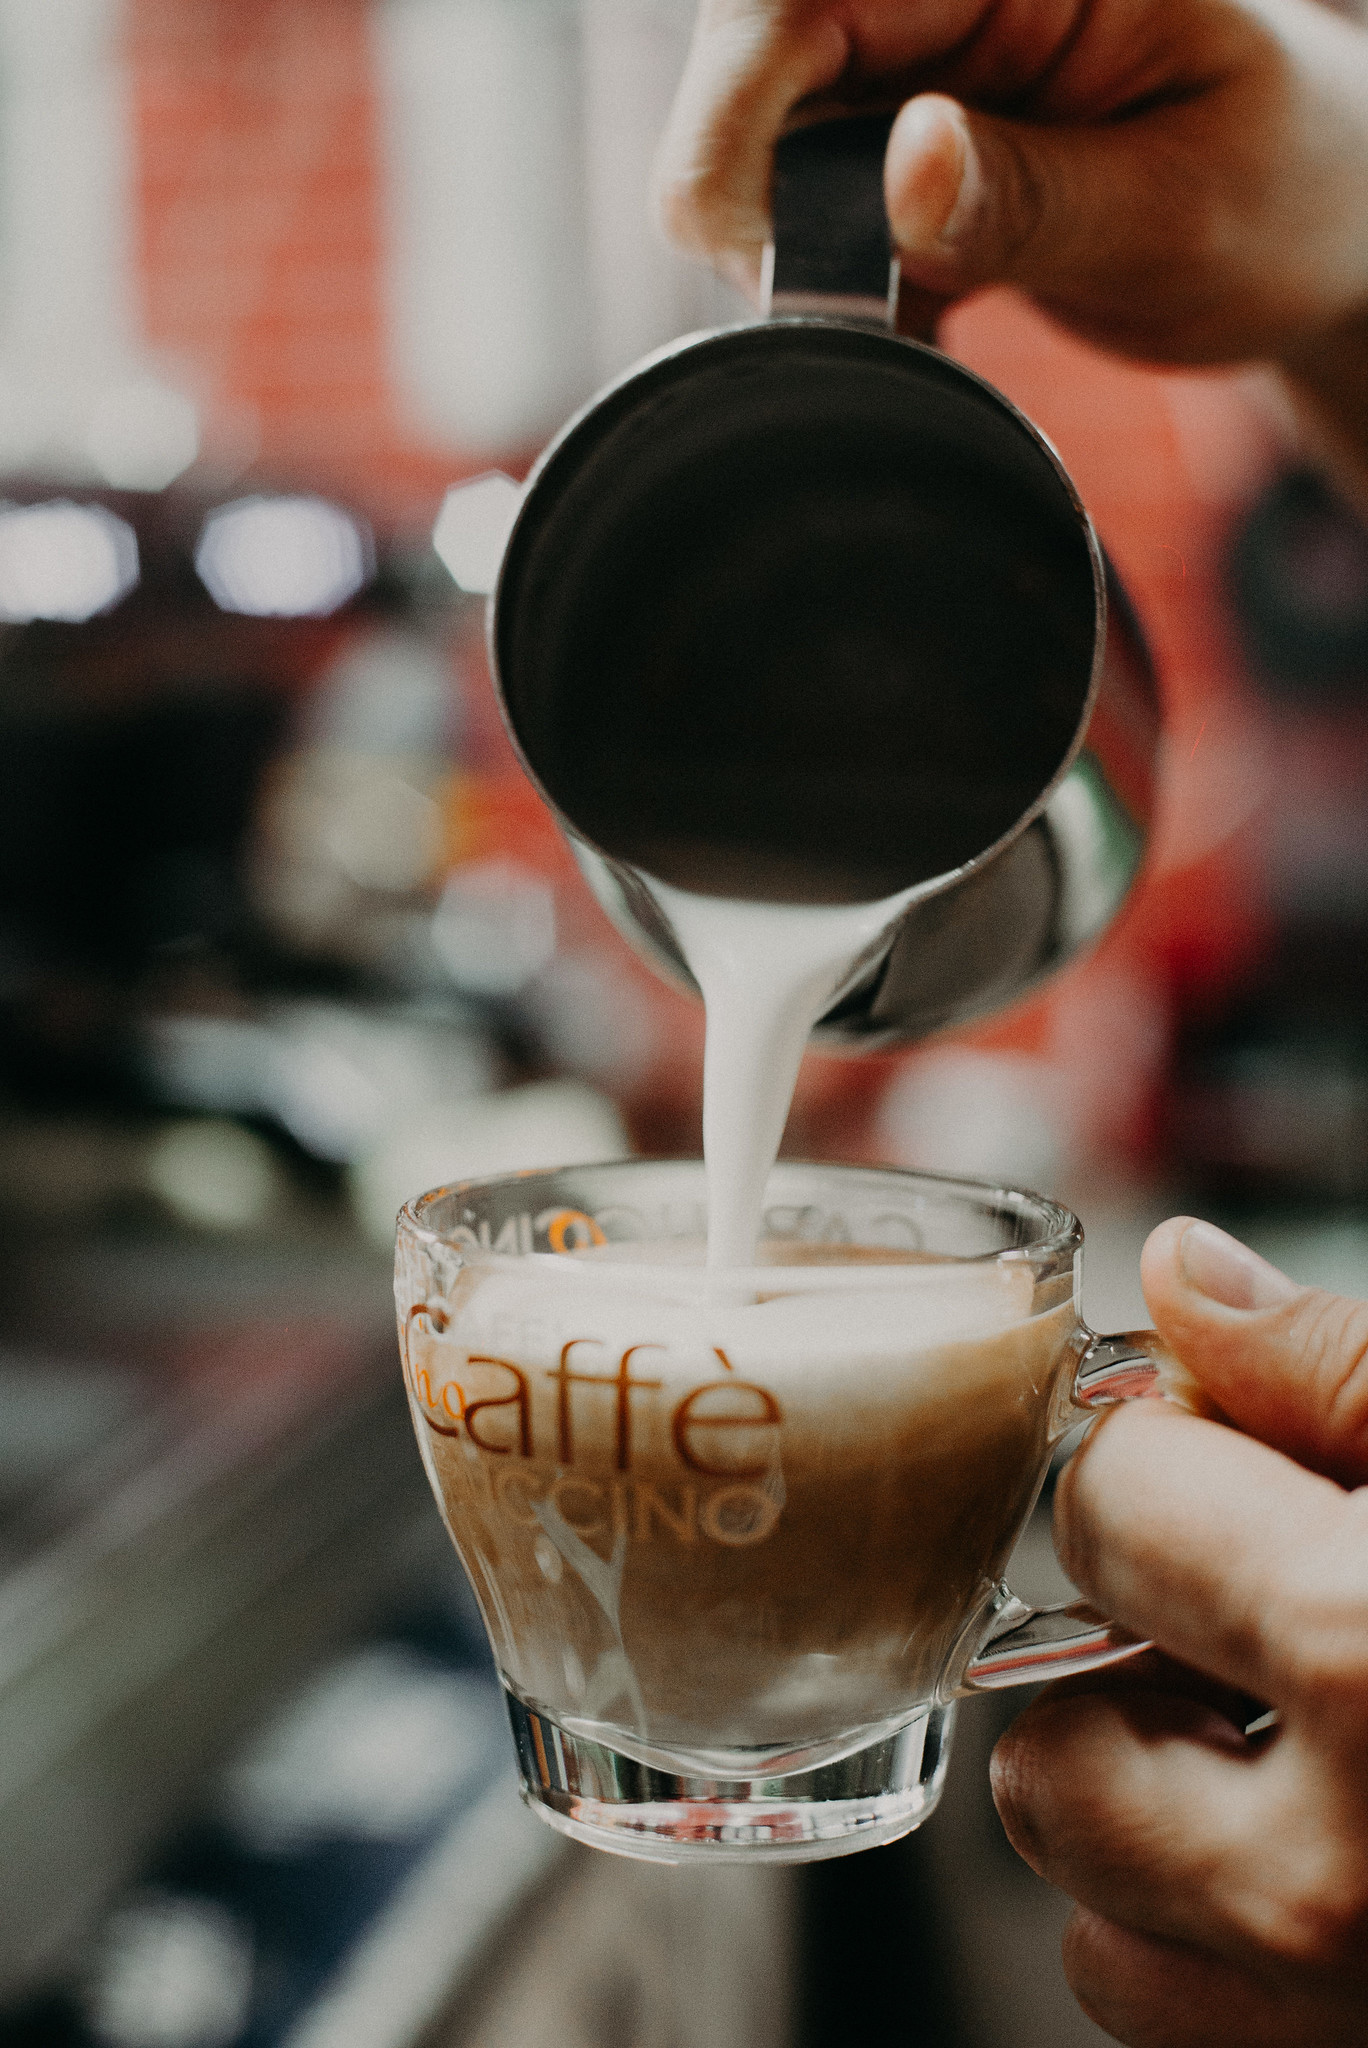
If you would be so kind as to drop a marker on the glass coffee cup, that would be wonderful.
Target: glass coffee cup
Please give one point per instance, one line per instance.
(738, 1538)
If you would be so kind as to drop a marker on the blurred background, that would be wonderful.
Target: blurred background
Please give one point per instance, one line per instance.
(285, 938)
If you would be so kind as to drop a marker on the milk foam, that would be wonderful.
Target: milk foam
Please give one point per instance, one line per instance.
(832, 1323)
(767, 971)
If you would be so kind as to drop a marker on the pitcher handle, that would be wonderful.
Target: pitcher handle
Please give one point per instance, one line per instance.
(831, 253)
(1021, 1644)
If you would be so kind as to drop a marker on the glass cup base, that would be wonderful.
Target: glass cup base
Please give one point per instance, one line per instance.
(597, 1794)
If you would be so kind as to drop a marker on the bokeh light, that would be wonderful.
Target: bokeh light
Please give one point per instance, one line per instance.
(289, 557)
(142, 435)
(63, 561)
(473, 527)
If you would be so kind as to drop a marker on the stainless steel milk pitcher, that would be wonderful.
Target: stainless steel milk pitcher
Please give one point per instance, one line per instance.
(802, 610)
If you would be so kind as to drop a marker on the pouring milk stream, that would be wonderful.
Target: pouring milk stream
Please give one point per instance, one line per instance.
(767, 972)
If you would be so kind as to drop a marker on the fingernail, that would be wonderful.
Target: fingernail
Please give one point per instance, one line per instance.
(1226, 1271)
(941, 183)
(966, 205)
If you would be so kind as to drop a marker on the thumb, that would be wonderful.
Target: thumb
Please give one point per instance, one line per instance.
(1075, 213)
(1288, 1364)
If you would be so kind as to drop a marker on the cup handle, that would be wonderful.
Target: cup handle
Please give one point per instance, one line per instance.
(1025, 1644)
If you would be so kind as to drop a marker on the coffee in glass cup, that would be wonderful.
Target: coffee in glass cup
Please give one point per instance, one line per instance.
(738, 1536)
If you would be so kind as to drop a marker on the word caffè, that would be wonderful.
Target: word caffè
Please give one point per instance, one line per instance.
(719, 1481)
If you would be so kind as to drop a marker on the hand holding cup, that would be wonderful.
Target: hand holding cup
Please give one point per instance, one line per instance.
(1221, 1876)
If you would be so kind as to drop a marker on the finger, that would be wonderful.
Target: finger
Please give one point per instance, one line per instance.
(1287, 1363)
(1150, 1993)
(1150, 1671)
(1152, 1811)
(746, 71)
(1225, 1553)
(974, 199)
(1098, 220)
